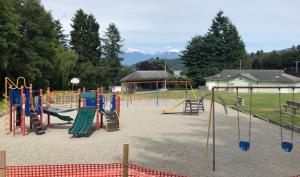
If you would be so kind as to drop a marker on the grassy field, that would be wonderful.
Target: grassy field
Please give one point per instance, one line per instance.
(263, 104)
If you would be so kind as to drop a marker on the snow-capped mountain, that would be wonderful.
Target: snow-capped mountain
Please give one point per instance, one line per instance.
(132, 56)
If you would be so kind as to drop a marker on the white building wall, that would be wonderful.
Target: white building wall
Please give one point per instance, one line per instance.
(242, 81)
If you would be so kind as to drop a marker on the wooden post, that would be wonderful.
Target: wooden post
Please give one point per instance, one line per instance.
(2, 163)
(125, 159)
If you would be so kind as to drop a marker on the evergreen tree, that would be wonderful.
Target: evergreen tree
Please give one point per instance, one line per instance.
(86, 43)
(221, 48)
(61, 37)
(112, 50)
(85, 38)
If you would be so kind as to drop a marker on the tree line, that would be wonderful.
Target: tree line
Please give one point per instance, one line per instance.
(284, 59)
(223, 48)
(34, 45)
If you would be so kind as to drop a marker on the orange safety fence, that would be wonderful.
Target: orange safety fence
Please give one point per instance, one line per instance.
(84, 170)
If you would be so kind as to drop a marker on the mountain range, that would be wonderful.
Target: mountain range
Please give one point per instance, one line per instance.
(133, 57)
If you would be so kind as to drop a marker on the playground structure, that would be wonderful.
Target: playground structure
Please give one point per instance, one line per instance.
(244, 144)
(19, 103)
(93, 102)
(22, 101)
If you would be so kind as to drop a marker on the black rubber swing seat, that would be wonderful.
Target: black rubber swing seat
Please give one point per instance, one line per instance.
(244, 145)
(287, 146)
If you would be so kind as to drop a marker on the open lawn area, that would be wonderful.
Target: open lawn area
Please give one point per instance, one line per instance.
(263, 104)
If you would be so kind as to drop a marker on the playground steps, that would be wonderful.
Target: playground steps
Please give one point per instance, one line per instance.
(193, 107)
(112, 121)
(38, 127)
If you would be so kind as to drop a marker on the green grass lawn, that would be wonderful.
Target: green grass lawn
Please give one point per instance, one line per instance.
(263, 104)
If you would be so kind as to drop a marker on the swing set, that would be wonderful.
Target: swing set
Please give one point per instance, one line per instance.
(244, 144)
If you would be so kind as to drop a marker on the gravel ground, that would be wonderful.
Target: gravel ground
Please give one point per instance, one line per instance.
(170, 142)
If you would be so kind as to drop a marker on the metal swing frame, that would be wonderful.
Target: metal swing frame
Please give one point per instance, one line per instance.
(216, 88)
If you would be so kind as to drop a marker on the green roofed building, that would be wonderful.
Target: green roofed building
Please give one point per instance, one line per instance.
(140, 76)
(146, 77)
(236, 77)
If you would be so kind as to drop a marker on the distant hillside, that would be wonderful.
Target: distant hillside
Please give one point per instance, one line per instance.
(174, 64)
(130, 58)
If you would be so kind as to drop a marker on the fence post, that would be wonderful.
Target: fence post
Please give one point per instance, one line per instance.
(2, 163)
(125, 159)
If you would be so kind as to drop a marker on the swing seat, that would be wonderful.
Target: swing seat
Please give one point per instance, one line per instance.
(244, 145)
(287, 146)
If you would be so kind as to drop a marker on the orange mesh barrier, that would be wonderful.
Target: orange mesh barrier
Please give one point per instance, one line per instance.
(84, 170)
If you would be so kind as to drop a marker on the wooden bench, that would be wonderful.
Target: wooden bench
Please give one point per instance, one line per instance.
(294, 106)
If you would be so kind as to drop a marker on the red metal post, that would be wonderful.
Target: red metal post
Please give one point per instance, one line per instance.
(48, 105)
(30, 102)
(22, 111)
(41, 106)
(13, 119)
(10, 110)
(83, 100)
(98, 111)
(79, 98)
(117, 102)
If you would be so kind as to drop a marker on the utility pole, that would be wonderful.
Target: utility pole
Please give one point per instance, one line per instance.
(166, 72)
(296, 62)
(240, 65)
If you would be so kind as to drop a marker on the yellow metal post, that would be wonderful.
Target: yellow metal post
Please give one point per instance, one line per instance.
(208, 130)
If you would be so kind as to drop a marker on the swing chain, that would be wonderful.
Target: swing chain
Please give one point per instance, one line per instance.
(280, 116)
(238, 112)
(250, 111)
(294, 112)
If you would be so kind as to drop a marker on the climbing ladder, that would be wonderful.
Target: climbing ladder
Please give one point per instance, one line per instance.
(112, 120)
(192, 107)
(36, 124)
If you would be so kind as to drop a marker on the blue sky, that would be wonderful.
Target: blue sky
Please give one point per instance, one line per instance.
(163, 25)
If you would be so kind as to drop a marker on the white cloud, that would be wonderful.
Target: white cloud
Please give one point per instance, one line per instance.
(150, 25)
(132, 50)
(174, 50)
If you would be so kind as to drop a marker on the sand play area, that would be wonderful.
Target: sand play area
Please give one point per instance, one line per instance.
(172, 142)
